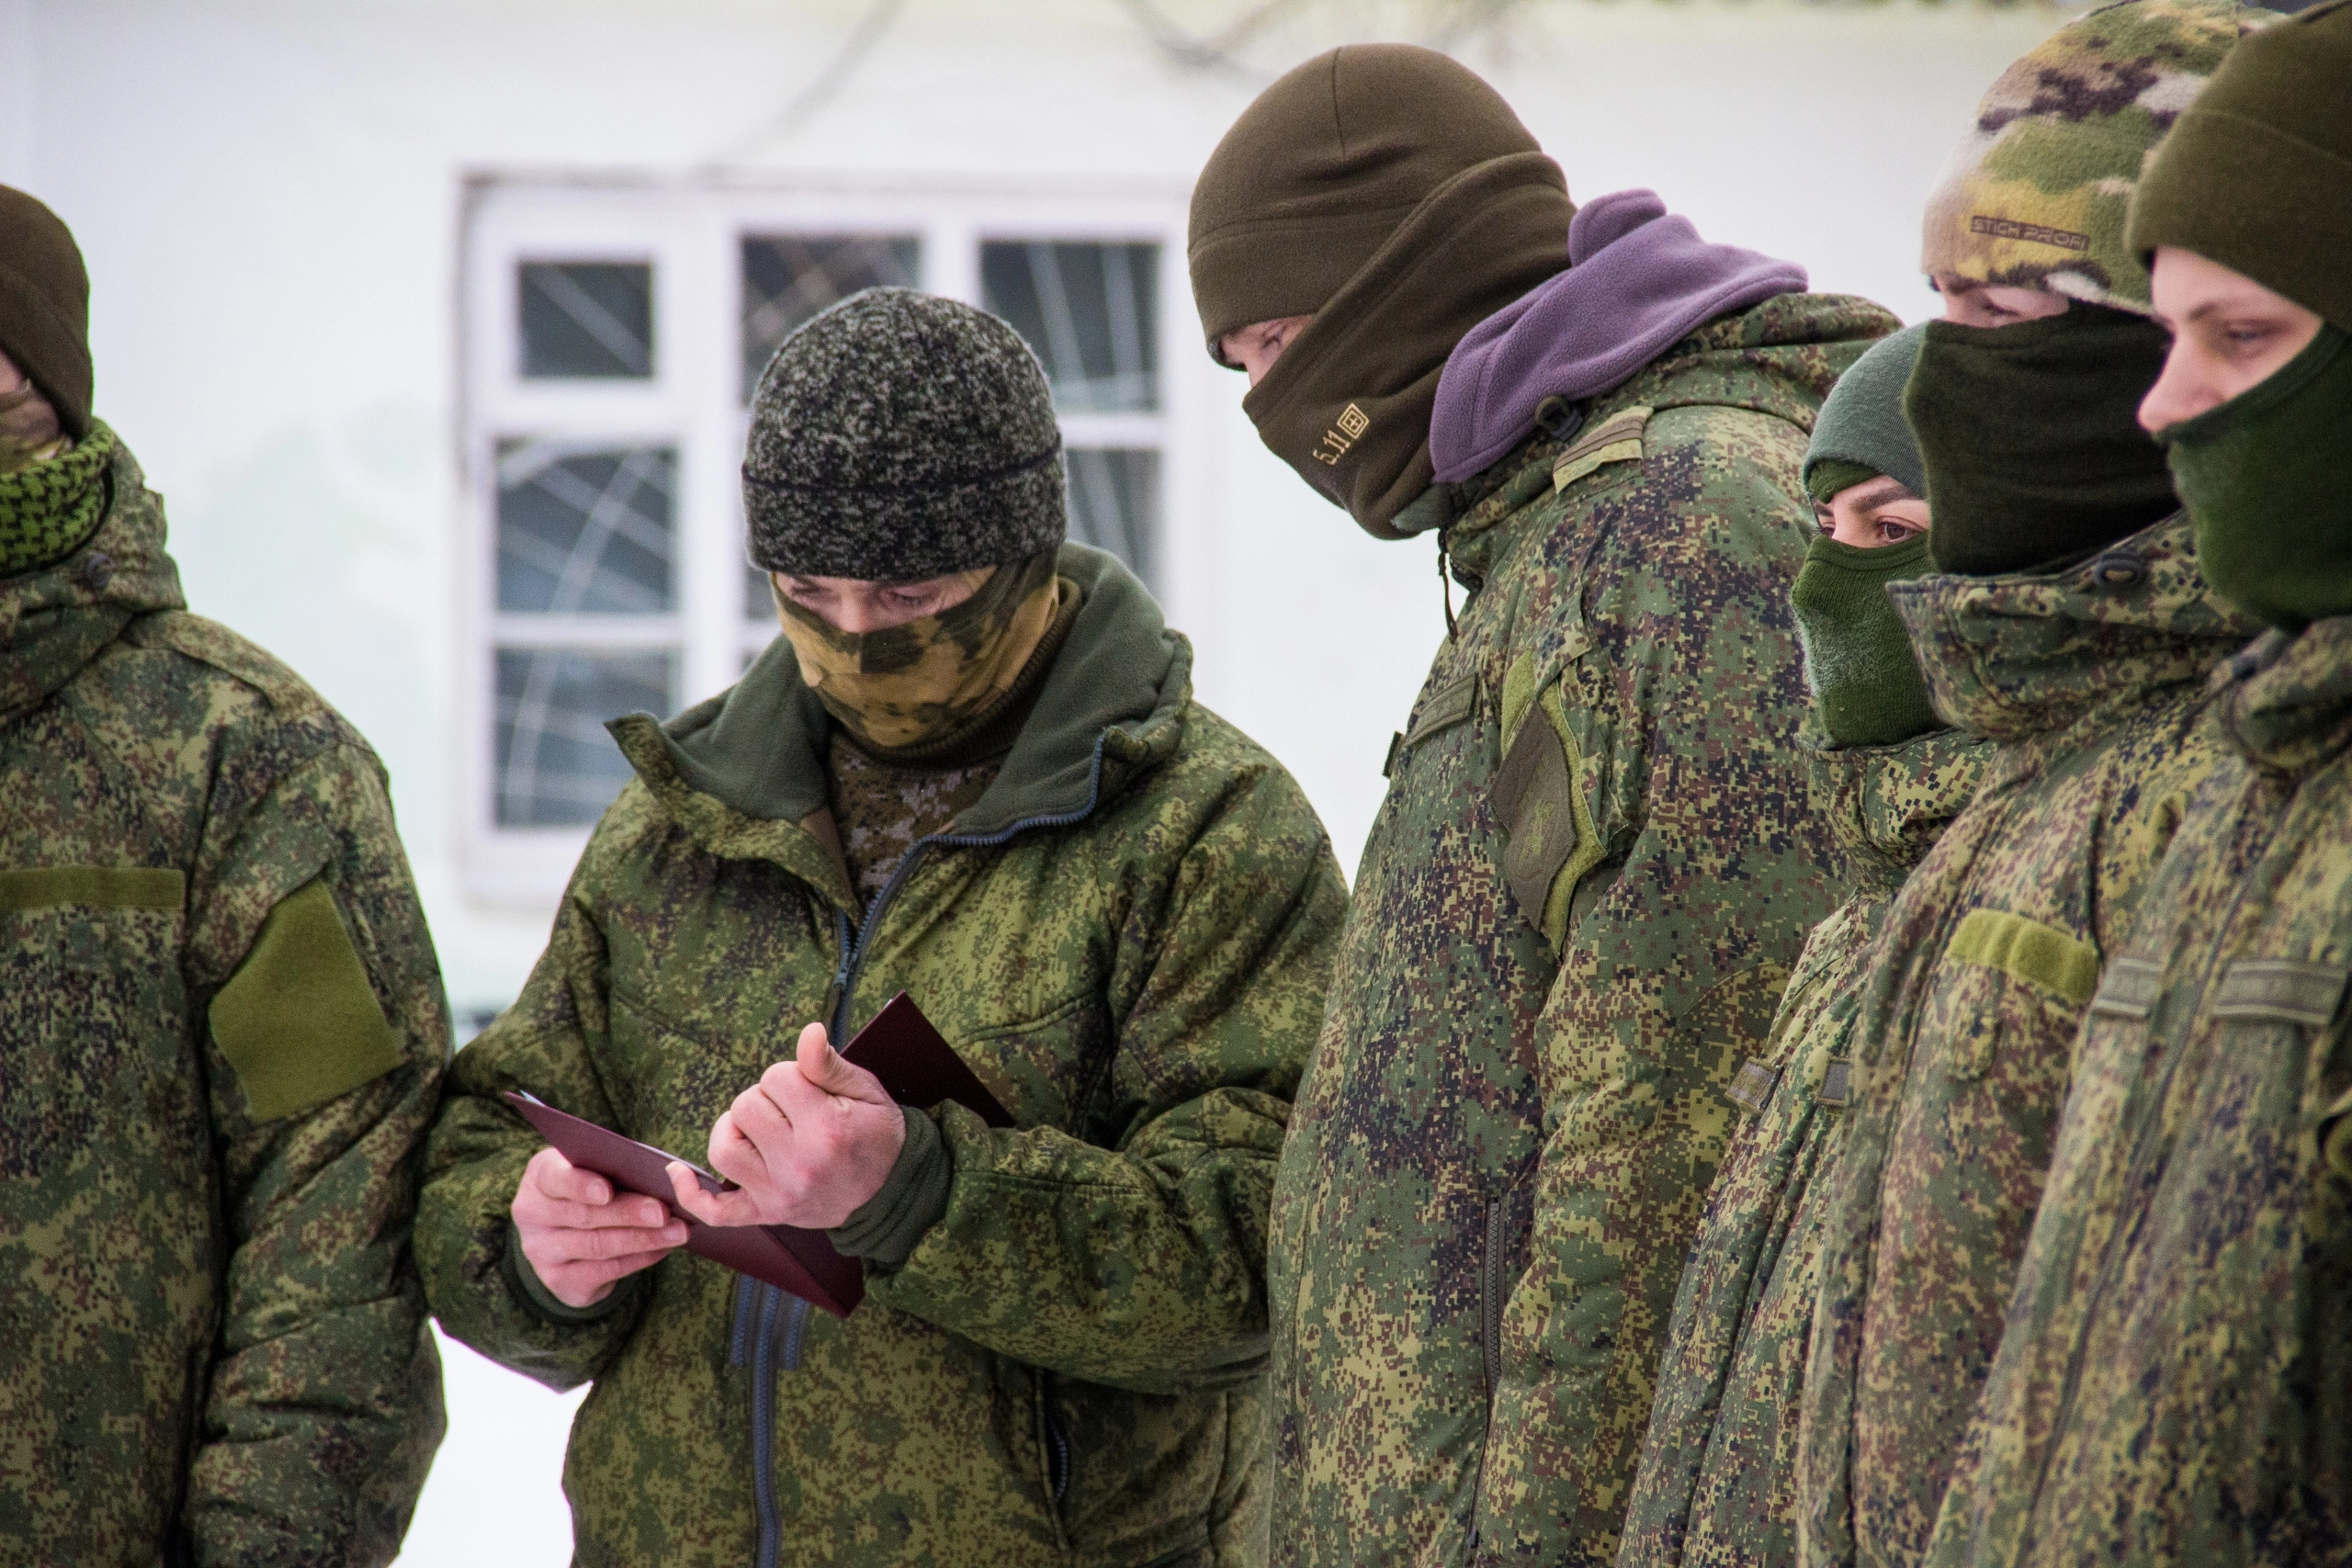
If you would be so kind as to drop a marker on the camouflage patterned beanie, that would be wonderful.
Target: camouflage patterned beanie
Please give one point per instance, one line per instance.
(899, 436)
(2036, 195)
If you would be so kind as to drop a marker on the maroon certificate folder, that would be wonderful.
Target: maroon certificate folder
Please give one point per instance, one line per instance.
(899, 1047)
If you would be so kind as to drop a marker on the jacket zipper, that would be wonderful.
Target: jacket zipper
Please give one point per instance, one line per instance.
(1490, 1325)
(2142, 1153)
(1057, 1443)
(795, 1330)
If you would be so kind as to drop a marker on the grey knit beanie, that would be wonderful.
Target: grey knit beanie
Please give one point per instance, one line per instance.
(1860, 432)
(898, 436)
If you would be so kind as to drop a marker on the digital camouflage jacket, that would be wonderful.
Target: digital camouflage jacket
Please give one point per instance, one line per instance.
(221, 1040)
(1717, 1482)
(1128, 937)
(2089, 681)
(2175, 1386)
(1575, 917)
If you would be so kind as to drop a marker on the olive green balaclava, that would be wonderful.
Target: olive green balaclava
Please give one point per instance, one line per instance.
(2031, 439)
(2258, 178)
(2033, 450)
(1867, 686)
(1390, 194)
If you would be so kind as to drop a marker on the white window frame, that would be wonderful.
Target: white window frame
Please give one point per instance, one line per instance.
(690, 231)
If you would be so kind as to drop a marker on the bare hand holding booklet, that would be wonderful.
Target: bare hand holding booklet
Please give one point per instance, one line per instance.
(899, 1047)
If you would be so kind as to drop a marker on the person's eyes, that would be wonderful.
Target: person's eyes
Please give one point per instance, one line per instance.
(1895, 533)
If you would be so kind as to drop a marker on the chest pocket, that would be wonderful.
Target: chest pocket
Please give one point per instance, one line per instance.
(2010, 984)
(93, 1012)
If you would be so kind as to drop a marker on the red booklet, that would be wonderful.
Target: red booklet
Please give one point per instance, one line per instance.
(899, 1047)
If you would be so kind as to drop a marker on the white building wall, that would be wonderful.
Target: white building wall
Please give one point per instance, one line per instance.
(268, 195)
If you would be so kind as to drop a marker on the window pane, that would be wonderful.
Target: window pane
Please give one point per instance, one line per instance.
(557, 767)
(585, 532)
(789, 277)
(587, 318)
(1114, 503)
(1091, 314)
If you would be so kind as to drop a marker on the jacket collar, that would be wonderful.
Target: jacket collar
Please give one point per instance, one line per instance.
(1887, 805)
(1780, 358)
(2287, 699)
(2028, 654)
(744, 773)
(55, 620)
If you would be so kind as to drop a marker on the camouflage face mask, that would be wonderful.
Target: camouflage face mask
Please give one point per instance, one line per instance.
(913, 684)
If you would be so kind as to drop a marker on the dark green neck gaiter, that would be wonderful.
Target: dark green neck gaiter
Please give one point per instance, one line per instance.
(48, 508)
(2029, 435)
(1865, 678)
(2267, 480)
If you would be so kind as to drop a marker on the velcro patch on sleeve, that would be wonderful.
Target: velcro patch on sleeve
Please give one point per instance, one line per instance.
(1616, 439)
(1534, 791)
(2040, 955)
(2128, 989)
(2277, 990)
(1751, 1087)
(103, 887)
(299, 1021)
(1836, 1084)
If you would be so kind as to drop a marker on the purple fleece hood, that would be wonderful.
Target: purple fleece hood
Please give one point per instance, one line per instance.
(1636, 281)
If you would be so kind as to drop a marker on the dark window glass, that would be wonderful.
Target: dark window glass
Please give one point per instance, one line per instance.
(592, 318)
(557, 766)
(1090, 310)
(1114, 503)
(586, 532)
(789, 277)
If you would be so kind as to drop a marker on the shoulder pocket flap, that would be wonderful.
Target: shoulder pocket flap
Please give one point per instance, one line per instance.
(1534, 801)
(299, 1021)
(2128, 989)
(106, 886)
(2042, 956)
(1444, 707)
(2279, 990)
(1616, 439)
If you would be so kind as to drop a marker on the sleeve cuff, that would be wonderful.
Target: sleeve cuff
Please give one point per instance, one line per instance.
(912, 1198)
(526, 1284)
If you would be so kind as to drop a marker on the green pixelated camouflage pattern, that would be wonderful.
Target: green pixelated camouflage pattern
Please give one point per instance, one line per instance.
(2175, 1386)
(213, 1345)
(2090, 682)
(2035, 195)
(1141, 987)
(1515, 1110)
(1717, 1482)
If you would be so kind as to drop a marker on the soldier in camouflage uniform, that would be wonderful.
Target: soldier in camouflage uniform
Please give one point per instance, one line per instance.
(1000, 797)
(1716, 1485)
(2074, 632)
(2175, 1385)
(1596, 864)
(221, 1035)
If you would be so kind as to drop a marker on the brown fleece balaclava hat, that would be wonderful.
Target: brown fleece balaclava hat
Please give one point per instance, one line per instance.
(45, 307)
(1390, 194)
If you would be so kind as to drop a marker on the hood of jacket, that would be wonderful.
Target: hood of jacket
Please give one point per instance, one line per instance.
(2286, 700)
(2025, 654)
(744, 772)
(1886, 805)
(55, 620)
(1778, 358)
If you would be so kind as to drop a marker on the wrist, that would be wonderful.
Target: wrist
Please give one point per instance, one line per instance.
(886, 1228)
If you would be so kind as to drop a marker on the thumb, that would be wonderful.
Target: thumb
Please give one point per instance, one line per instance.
(826, 1070)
